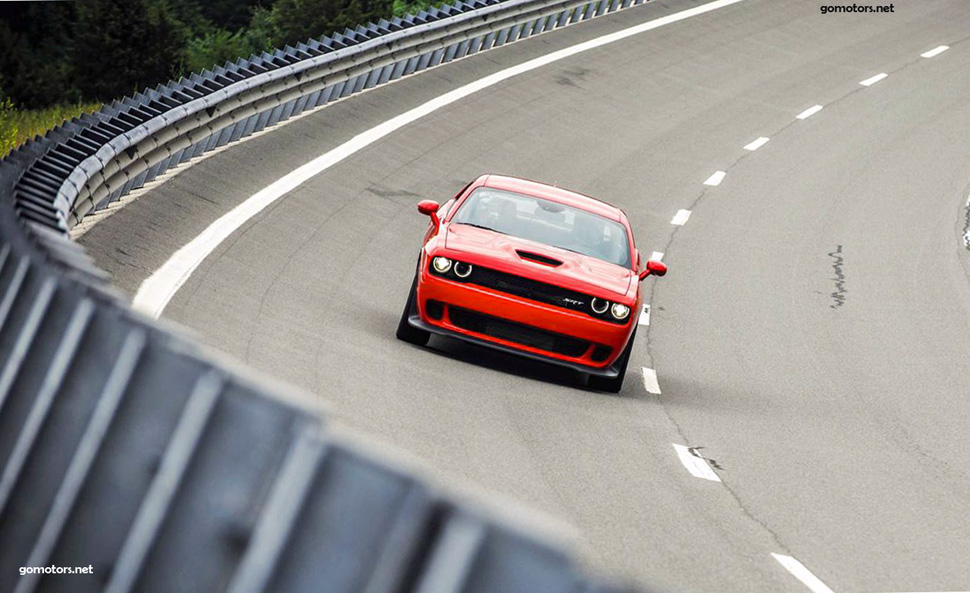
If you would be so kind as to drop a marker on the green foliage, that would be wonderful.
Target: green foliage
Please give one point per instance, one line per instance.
(35, 52)
(18, 126)
(288, 22)
(299, 20)
(233, 15)
(123, 47)
(9, 129)
(218, 46)
(263, 33)
(403, 7)
(214, 48)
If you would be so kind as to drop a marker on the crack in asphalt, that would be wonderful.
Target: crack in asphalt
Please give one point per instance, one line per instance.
(840, 290)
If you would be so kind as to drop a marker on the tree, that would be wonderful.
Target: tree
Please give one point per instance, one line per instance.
(123, 47)
(299, 20)
(35, 49)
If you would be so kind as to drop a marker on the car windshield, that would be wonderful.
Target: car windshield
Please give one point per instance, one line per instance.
(543, 221)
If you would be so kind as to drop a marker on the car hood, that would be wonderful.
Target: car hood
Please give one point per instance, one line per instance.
(577, 271)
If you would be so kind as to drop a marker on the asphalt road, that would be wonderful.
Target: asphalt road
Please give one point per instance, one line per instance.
(812, 335)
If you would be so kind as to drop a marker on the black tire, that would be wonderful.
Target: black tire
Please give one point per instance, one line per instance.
(406, 331)
(613, 384)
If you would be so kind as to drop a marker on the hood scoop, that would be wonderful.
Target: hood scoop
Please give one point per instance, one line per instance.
(538, 258)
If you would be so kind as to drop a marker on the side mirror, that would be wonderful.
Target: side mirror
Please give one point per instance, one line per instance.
(430, 208)
(427, 207)
(654, 267)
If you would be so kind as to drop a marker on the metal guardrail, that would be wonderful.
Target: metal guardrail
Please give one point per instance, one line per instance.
(125, 446)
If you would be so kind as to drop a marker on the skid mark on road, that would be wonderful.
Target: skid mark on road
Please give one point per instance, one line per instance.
(838, 296)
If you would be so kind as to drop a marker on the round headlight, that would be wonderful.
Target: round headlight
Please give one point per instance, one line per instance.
(463, 270)
(441, 264)
(599, 305)
(620, 311)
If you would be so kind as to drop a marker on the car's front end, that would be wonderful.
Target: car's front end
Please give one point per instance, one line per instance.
(528, 308)
(534, 270)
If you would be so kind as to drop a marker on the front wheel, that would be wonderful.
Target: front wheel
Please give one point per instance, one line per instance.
(613, 384)
(406, 331)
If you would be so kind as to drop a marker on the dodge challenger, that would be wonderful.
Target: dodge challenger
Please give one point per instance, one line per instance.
(534, 270)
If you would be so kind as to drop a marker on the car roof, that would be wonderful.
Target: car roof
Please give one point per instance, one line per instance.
(554, 194)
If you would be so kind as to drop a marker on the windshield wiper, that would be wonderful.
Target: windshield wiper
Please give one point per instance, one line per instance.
(481, 226)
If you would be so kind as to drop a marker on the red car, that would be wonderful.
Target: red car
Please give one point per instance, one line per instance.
(531, 269)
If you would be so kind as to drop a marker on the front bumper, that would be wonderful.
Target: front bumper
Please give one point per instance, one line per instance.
(446, 296)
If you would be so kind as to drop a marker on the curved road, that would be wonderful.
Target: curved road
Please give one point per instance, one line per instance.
(812, 336)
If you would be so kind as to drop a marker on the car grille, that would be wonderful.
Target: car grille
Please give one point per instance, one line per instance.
(517, 332)
(530, 289)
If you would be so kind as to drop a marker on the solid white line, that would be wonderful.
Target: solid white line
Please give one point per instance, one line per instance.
(680, 219)
(756, 144)
(935, 51)
(159, 288)
(696, 465)
(650, 381)
(873, 79)
(645, 319)
(657, 256)
(809, 112)
(715, 178)
(801, 573)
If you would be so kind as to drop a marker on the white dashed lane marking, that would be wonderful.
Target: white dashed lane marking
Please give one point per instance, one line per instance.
(935, 51)
(801, 573)
(873, 79)
(650, 381)
(756, 144)
(644, 316)
(809, 112)
(657, 256)
(715, 179)
(695, 464)
(680, 219)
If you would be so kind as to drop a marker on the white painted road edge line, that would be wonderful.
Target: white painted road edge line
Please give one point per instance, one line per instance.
(873, 79)
(935, 51)
(650, 381)
(756, 144)
(809, 112)
(801, 573)
(715, 179)
(159, 288)
(681, 218)
(645, 319)
(696, 465)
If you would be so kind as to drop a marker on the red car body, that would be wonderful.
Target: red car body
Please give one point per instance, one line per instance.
(523, 296)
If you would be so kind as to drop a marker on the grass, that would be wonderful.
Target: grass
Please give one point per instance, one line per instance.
(19, 125)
